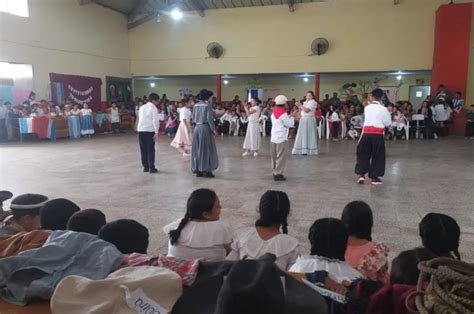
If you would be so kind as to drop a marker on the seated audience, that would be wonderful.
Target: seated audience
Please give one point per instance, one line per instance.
(129, 236)
(266, 236)
(4, 196)
(441, 114)
(369, 258)
(25, 214)
(440, 234)
(200, 233)
(87, 220)
(328, 238)
(243, 123)
(404, 268)
(55, 214)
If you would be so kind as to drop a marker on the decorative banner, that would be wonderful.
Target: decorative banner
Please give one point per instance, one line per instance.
(77, 89)
(118, 89)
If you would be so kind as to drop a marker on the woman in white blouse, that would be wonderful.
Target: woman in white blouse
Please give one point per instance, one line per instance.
(252, 137)
(200, 233)
(305, 143)
(269, 234)
(328, 238)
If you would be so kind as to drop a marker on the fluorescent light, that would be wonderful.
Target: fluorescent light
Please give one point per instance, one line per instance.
(152, 84)
(176, 14)
(306, 79)
(226, 82)
(399, 77)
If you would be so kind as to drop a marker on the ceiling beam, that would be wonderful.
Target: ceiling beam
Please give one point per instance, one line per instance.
(142, 20)
(108, 7)
(197, 5)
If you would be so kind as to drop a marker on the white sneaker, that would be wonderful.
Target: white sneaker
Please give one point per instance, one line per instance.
(245, 154)
(186, 155)
(255, 154)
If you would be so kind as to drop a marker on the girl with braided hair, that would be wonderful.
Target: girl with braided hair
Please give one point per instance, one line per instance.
(270, 234)
(328, 238)
(440, 234)
(200, 233)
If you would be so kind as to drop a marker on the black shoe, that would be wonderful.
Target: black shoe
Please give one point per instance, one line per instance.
(146, 169)
(198, 174)
(153, 170)
(279, 177)
(208, 175)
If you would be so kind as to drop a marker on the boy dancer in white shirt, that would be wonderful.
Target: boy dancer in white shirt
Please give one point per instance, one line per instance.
(371, 148)
(281, 123)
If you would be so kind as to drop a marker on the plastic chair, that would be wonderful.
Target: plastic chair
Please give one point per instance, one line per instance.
(417, 118)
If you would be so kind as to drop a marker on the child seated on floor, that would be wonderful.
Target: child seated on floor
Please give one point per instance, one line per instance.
(266, 236)
(440, 234)
(367, 257)
(352, 133)
(129, 236)
(328, 238)
(87, 220)
(25, 210)
(55, 214)
(200, 233)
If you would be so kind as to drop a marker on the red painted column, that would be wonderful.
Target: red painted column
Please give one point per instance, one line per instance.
(451, 47)
(219, 88)
(317, 80)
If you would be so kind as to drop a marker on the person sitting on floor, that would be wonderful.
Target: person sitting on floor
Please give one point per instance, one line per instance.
(200, 233)
(55, 214)
(404, 268)
(4, 196)
(266, 236)
(129, 236)
(87, 220)
(367, 257)
(328, 238)
(440, 234)
(25, 214)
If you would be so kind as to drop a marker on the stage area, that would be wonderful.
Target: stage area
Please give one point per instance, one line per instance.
(104, 173)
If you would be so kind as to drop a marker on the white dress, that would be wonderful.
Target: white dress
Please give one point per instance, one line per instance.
(252, 137)
(204, 240)
(338, 270)
(305, 142)
(249, 244)
(183, 138)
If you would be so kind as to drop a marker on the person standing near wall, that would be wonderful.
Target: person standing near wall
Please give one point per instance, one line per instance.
(371, 148)
(281, 123)
(148, 130)
(204, 159)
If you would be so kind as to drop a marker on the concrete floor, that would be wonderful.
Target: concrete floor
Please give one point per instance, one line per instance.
(104, 173)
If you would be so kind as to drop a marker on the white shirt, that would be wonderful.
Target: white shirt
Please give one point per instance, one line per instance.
(249, 244)
(337, 270)
(114, 115)
(86, 112)
(335, 117)
(280, 128)
(441, 113)
(201, 240)
(148, 120)
(311, 105)
(376, 115)
(184, 114)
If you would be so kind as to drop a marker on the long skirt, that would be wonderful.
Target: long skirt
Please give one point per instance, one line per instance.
(86, 127)
(252, 137)
(305, 143)
(204, 152)
(183, 138)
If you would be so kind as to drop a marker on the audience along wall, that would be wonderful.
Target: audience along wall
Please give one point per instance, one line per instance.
(470, 77)
(63, 37)
(364, 35)
(290, 85)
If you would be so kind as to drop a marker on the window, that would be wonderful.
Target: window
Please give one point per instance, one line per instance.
(16, 7)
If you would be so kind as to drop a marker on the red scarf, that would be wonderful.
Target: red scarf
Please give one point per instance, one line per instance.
(278, 111)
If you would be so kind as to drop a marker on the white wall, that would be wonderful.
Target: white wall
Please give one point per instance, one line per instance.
(364, 35)
(63, 37)
(290, 85)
